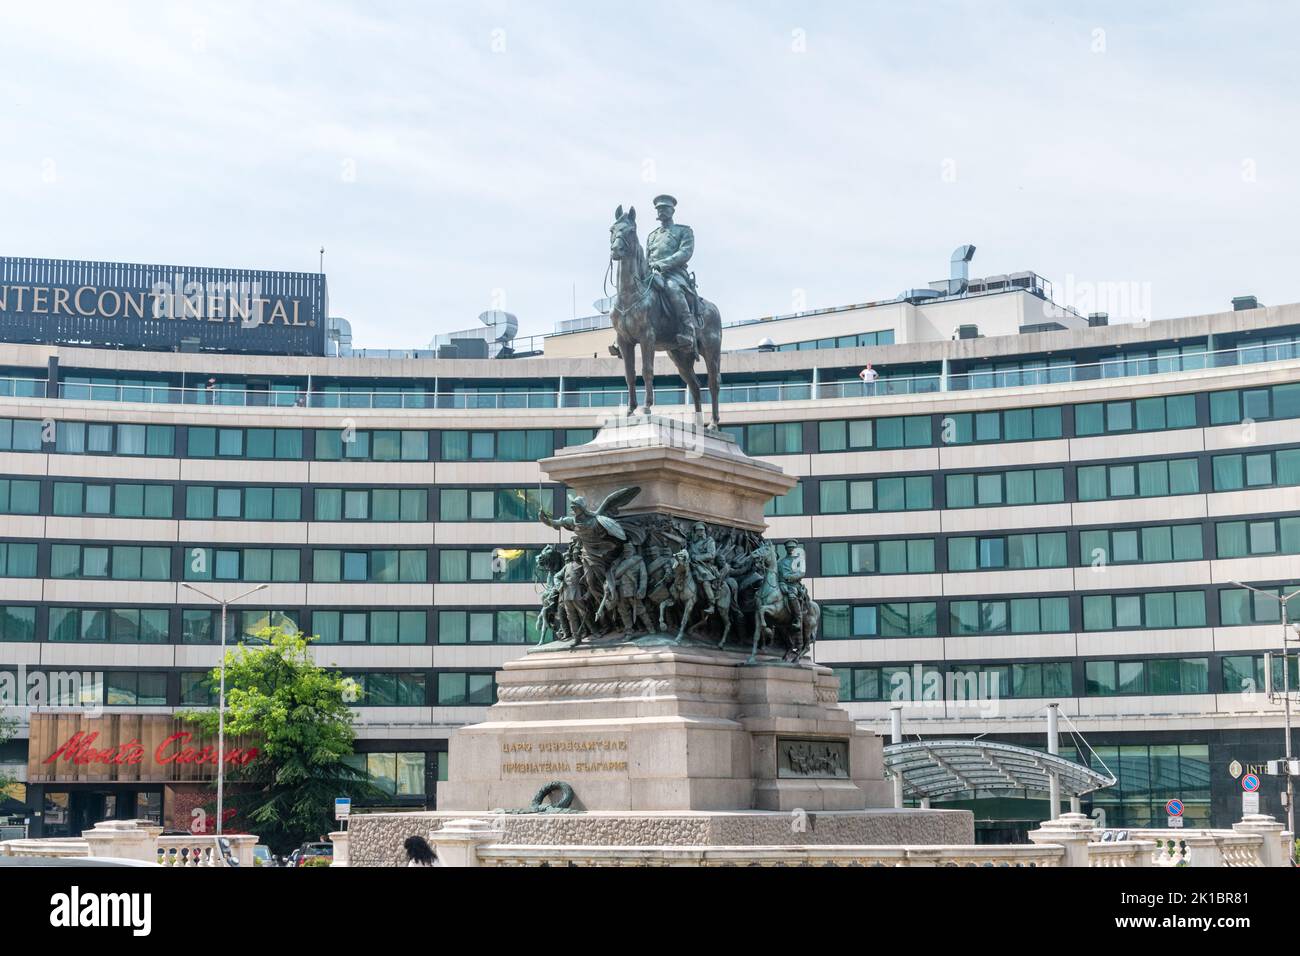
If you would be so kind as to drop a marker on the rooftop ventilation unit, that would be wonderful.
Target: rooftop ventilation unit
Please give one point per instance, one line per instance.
(1243, 302)
(338, 336)
(766, 345)
(1097, 319)
(959, 269)
(919, 295)
(967, 332)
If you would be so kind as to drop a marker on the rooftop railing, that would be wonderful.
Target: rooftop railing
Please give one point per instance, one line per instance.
(615, 396)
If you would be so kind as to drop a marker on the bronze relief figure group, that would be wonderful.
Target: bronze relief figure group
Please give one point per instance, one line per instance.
(623, 577)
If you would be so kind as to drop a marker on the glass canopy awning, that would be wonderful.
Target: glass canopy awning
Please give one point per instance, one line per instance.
(939, 768)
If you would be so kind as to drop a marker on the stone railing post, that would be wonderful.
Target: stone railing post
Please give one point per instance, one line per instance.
(340, 840)
(1202, 849)
(1276, 847)
(241, 844)
(457, 843)
(1073, 831)
(121, 839)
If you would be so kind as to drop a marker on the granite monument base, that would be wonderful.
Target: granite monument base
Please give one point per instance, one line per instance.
(652, 726)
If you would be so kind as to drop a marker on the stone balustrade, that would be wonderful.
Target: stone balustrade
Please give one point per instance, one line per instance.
(1071, 840)
(137, 840)
(1031, 856)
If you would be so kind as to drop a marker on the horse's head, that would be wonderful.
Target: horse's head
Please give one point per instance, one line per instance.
(623, 241)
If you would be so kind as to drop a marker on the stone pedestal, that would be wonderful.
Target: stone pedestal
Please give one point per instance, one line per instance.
(646, 725)
(636, 727)
(683, 470)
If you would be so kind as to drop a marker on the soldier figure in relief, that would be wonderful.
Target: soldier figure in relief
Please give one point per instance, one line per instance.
(668, 249)
(703, 551)
(790, 571)
(629, 585)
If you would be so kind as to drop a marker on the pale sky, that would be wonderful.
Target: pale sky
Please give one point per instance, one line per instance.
(454, 157)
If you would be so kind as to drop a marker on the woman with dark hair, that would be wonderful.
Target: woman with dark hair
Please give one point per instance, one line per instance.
(419, 853)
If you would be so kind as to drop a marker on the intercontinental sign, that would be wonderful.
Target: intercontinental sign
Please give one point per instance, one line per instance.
(165, 307)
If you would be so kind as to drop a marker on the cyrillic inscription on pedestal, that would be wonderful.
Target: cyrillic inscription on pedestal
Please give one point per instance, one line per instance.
(530, 756)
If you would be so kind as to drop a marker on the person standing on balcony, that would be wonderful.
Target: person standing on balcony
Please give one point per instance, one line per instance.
(868, 376)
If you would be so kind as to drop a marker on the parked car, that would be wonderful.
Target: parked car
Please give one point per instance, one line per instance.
(262, 855)
(314, 854)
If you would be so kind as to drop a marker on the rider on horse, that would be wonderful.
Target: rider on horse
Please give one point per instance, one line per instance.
(668, 250)
(790, 572)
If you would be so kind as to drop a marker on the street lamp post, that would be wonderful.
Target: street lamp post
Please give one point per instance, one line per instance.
(1286, 707)
(221, 698)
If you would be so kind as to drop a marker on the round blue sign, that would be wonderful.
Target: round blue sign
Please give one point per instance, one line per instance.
(1174, 808)
(1250, 783)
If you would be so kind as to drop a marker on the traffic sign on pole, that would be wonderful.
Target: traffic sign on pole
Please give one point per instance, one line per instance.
(1250, 783)
(1174, 807)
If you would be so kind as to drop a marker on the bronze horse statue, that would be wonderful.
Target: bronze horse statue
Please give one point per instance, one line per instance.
(640, 319)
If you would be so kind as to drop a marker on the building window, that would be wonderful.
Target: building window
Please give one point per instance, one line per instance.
(407, 566)
(1049, 615)
(135, 689)
(514, 626)
(779, 438)
(1141, 545)
(790, 503)
(254, 443)
(17, 623)
(1244, 674)
(1140, 415)
(1237, 606)
(18, 434)
(912, 431)
(1146, 479)
(990, 489)
(401, 689)
(83, 438)
(911, 493)
(1259, 470)
(119, 562)
(203, 625)
(910, 556)
(378, 445)
(1158, 609)
(206, 502)
(530, 445)
(242, 564)
(109, 625)
(897, 619)
(116, 500)
(1016, 424)
(372, 504)
(17, 560)
(466, 689)
(20, 496)
(1017, 551)
(369, 627)
(1257, 404)
(459, 565)
(395, 775)
(494, 504)
(1158, 676)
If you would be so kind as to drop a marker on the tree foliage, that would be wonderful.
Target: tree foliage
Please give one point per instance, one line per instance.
(299, 716)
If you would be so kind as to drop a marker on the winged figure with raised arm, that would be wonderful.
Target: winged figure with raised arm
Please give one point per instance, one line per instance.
(598, 532)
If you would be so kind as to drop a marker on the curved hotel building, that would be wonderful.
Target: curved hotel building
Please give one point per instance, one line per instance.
(1028, 506)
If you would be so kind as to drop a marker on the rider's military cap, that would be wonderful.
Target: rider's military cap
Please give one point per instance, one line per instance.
(665, 200)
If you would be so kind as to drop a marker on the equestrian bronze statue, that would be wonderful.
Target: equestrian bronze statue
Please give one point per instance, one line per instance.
(657, 307)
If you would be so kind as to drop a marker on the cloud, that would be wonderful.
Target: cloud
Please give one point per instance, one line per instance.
(441, 152)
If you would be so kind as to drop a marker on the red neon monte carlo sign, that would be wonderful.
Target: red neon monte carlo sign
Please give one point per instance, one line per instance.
(80, 750)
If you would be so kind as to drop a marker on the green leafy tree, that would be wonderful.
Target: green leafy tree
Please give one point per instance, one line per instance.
(299, 716)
